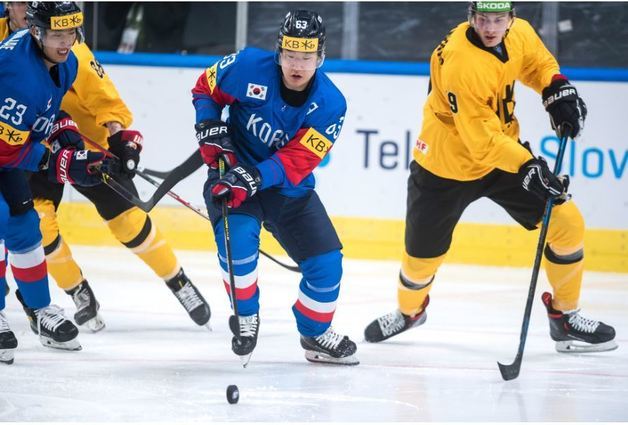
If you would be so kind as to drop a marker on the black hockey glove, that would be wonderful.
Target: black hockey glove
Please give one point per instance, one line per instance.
(214, 139)
(564, 106)
(126, 145)
(65, 134)
(537, 178)
(68, 165)
(239, 184)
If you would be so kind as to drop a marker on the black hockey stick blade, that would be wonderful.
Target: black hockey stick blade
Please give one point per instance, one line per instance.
(510, 371)
(183, 170)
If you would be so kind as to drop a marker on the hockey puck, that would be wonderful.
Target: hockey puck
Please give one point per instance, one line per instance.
(233, 394)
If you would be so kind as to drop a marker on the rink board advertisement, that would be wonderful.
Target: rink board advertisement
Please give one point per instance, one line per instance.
(363, 179)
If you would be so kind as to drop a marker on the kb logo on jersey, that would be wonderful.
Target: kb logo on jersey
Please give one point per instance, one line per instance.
(316, 143)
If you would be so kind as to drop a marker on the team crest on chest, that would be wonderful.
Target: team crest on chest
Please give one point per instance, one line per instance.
(256, 91)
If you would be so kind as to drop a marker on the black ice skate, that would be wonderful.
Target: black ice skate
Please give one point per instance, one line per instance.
(86, 307)
(394, 323)
(8, 343)
(244, 345)
(576, 334)
(190, 298)
(330, 347)
(54, 330)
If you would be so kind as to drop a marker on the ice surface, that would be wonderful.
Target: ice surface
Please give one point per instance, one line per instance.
(152, 363)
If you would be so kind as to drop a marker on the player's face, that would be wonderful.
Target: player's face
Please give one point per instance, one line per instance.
(57, 44)
(298, 68)
(17, 15)
(491, 27)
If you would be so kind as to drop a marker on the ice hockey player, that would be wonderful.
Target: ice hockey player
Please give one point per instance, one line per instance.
(36, 69)
(468, 149)
(98, 112)
(14, 18)
(284, 116)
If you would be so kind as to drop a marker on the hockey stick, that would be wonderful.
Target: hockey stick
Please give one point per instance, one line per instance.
(146, 176)
(511, 371)
(170, 179)
(177, 174)
(163, 187)
(225, 221)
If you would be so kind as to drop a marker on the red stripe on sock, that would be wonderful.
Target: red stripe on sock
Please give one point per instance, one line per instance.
(242, 294)
(30, 274)
(314, 315)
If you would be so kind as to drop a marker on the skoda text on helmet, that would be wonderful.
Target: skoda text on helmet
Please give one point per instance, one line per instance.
(491, 7)
(302, 31)
(55, 16)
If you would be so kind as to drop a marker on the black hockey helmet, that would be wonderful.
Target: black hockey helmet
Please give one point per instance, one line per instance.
(59, 15)
(302, 31)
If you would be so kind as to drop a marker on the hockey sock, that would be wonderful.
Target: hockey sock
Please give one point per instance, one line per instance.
(564, 255)
(415, 282)
(27, 259)
(318, 292)
(135, 230)
(61, 265)
(244, 250)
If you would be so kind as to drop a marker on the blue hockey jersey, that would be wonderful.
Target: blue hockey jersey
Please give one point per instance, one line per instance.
(284, 142)
(29, 100)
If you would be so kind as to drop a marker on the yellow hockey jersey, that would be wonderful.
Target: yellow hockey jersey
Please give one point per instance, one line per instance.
(92, 100)
(469, 127)
(4, 28)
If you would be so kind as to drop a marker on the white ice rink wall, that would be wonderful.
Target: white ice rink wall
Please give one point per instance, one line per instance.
(363, 179)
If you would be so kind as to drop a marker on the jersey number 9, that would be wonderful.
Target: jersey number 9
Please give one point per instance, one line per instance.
(453, 103)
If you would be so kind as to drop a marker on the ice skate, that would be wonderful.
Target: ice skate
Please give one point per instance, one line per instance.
(330, 347)
(394, 323)
(576, 334)
(244, 345)
(8, 343)
(86, 307)
(190, 298)
(54, 330)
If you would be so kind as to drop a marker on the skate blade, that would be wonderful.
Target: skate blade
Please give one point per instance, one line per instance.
(95, 324)
(317, 357)
(6, 355)
(245, 359)
(583, 347)
(71, 345)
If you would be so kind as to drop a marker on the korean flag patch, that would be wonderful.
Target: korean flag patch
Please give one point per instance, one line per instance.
(256, 91)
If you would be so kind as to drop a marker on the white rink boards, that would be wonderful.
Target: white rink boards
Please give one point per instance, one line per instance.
(152, 363)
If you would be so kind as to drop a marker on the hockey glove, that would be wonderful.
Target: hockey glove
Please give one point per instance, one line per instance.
(126, 145)
(69, 165)
(537, 178)
(564, 106)
(237, 185)
(65, 134)
(214, 138)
